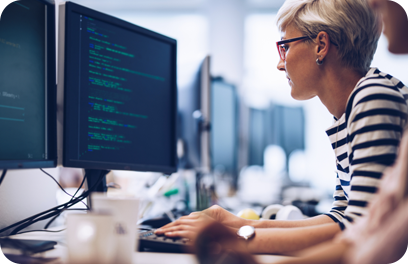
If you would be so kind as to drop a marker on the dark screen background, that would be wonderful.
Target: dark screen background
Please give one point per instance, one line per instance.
(119, 91)
(22, 81)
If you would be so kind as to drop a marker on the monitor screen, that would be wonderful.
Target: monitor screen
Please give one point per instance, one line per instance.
(224, 127)
(257, 141)
(194, 97)
(27, 85)
(120, 106)
(286, 128)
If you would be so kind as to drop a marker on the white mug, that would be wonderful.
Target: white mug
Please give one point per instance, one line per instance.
(125, 214)
(90, 238)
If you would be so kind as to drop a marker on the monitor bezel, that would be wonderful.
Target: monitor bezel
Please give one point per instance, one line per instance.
(51, 96)
(71, 8)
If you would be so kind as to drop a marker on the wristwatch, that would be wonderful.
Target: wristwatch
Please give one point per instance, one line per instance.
(246, 232)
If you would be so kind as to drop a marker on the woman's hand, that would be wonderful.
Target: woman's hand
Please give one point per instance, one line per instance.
(224, 217)
(187, 226)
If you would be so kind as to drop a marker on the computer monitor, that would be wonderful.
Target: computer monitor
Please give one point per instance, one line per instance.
(224, 128)
(27, 85)
(257, 136)
(286, 128)
(277, 125)
(119, 94)
(194, 99)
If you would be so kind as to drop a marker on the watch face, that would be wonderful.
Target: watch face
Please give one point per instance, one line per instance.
(246, 231)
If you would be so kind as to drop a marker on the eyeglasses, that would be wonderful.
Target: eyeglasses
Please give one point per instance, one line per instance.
(282, 48)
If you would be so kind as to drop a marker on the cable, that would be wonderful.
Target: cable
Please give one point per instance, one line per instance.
(62, 210)
(79, 188)
(49, 231)
(52, 220)
(35, 218)
(51, 212)
(55, 217)
(55, 181)
(42, 216)
(72, 196)
(48, 214)
(3, 174)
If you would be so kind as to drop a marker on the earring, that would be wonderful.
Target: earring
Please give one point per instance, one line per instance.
(319, 62)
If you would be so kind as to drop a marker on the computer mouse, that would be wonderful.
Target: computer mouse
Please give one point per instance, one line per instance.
(157, 222)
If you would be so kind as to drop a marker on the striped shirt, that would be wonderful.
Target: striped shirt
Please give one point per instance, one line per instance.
(365, 141)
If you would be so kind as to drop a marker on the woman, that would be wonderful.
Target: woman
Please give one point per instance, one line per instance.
(326, 49)
(382, 235)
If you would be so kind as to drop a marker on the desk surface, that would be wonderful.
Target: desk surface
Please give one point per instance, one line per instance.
(140, 257)
(154, 258)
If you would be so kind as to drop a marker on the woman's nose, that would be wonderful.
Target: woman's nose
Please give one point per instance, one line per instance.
(281, 65)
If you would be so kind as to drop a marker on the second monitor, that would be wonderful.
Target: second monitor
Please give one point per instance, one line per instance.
(119, 94)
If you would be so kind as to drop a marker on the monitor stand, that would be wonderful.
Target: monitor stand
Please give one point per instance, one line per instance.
(98, 178)
(204, 190)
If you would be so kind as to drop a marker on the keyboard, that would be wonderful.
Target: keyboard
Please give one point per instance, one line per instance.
(149, 241)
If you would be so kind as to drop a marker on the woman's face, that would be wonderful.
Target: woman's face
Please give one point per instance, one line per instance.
(395, 18)
(300, 66)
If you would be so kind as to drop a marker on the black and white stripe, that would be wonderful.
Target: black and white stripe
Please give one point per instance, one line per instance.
(367, 137)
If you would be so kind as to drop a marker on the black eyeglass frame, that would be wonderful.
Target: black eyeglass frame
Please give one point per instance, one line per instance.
(281, 42)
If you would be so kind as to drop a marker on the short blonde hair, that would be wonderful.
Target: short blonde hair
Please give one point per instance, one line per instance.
(351, 24)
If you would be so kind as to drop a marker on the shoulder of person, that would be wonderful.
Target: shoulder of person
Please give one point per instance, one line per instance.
(377, 85)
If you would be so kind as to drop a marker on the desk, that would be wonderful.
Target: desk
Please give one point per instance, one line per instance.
(140, 257)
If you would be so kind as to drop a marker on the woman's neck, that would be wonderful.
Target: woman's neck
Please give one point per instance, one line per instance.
(337, 85)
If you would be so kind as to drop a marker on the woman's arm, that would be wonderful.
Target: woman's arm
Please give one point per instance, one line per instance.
(219, 214)
(216, 243)
(328, 252)
(267, 240)
(286, 241)
(313, 221)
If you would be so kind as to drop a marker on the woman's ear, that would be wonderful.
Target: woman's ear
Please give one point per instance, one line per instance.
(322, 45)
